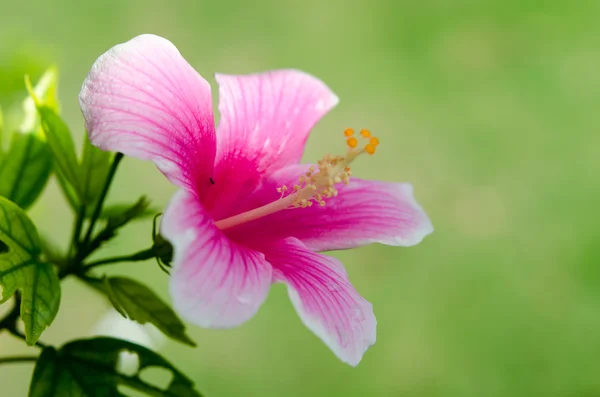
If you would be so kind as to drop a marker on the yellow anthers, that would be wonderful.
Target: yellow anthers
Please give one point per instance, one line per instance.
(318, 184)
(352, 142)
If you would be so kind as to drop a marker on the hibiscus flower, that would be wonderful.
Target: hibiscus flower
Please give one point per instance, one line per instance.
(248, 214)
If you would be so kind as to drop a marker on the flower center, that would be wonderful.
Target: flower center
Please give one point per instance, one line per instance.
(315, 186)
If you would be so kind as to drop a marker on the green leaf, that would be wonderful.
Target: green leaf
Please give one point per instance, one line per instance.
(88, 368)
(121, 218)
(44, 93)
(61, 144)
(25, 169)
(95, 166)
(118, 220)
(119, 215)
(21, 269)
(1, 131)
(44, 374)
(139, 303)
(68, 191)
(81, 182)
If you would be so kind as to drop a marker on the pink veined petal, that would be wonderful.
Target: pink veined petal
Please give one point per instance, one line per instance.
(268, 116)
(265, 121)
(215, 282)
(324, 298)
(364, 212)
(143, 99)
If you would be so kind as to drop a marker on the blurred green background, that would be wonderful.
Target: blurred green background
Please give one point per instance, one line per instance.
(488, 107)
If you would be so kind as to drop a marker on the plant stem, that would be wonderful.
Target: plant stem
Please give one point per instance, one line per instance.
(78, 226)
(100, 203)
(138, 256)
(79, 218)
(17, 359)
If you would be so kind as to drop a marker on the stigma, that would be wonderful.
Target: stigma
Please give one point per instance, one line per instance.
(318, 185)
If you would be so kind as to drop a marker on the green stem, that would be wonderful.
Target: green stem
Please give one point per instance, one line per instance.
(80, 217)
(17, 359)
(138, 256)
(100, 203)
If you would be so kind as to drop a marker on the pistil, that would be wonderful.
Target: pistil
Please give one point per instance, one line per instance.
(315, 186)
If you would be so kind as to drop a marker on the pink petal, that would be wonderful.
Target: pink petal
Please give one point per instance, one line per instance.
(143, 99)
(268, 116)
(364, 212)
(324, 298)
(265, 121)
(214, 282)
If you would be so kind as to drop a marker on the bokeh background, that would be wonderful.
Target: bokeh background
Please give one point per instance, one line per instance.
(489, 108)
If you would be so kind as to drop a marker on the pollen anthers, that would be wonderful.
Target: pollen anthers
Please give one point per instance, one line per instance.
(318, 185)
(352, 142)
